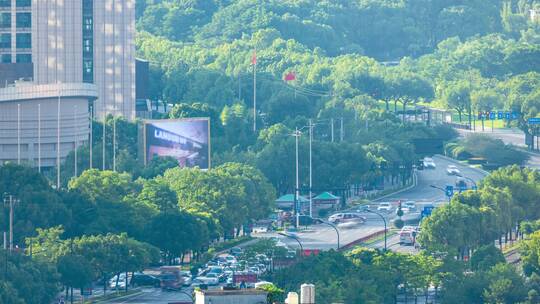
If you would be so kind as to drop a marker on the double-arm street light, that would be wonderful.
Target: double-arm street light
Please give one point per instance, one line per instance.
(297, 133)
(385, 226)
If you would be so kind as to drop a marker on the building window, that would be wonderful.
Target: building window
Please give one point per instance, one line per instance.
(87, 46)
(24, 41)
(5, 58)
(5, 3)
(5, 41)
(24, 20)
(24, 58)
(88, 26)
(88, 6)
(5, 20)
(24, 3)
(88, 71)
(88, 43)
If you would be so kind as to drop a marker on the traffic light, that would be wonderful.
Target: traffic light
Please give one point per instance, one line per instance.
(449, 190)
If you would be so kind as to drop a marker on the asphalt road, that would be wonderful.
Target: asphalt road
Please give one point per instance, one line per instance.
(155, 296)
(423, 192)
(325, 238)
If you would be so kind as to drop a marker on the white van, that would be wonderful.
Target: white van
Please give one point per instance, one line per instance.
(407, 235)
(346, 217)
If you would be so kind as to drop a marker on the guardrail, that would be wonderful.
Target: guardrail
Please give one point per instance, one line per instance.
(363, 239)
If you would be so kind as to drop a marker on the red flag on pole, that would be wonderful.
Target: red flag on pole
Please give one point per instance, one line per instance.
(290, 76)
(254, 58)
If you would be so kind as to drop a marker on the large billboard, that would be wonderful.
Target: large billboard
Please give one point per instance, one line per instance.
(186, 140)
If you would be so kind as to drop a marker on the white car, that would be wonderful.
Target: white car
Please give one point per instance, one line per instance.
(121, 281)
(386, 207)
(186, 275)
(259, 229)
(452, 170)
(211, 279)
(429, 163)
(411, 205)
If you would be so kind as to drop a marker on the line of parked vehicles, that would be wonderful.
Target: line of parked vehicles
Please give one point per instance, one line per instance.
(227, 269)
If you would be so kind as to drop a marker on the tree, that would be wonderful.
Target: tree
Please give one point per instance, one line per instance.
(158, 166)
(157, 195)
(486, 101)
(212, 191)
(505, 285)
(457, 96)
(26, 280)
(176, 232)
(99, 185)
(457, 228)
(486, 257)
(75, 271)
(411, 88)
(530, 253)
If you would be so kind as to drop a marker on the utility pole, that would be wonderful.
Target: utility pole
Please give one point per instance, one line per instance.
(297, 134)
(332, 128)
(9, 200)
(254, 61)
(341, 134)
(310, 169)
(239, 86)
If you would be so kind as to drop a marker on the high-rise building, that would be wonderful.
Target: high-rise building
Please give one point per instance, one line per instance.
(85, 47)
(91, 41)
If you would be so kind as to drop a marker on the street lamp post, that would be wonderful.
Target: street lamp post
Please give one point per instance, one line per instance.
(294, 238)
(297, 135)
(10, 200)
(471, 180)
(385, 226)
(443, 190)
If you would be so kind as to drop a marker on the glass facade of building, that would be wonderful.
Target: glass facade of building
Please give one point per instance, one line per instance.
(15, 31)
(88, 41)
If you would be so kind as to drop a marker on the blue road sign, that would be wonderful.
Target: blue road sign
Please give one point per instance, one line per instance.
(515, 115)
(492, 115)
(508, 115)
(427, 211)
(500, 115)
(449, 190)
(534, 121)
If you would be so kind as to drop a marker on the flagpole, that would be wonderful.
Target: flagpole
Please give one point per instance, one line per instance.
(39, 137)
(75, 128)
(58, 142)
(18, 134)
(103, 139)
(91, 133)
(114, 144)
(254, 61)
